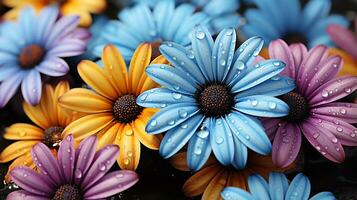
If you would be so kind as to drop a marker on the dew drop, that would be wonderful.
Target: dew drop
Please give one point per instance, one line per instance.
(229, 32)
(198, 151)
(324, 93)
(276, 64)
(348, 90)
(223, 62)
(202, 133)
(272, 105)
(172, 122)
(343, 111)
(200, 35)
(316, 135)
(334, 140)
(143, 97)
(240, 65)
(153, 123)
(126, 161)
(339, 129)
(129, 132)
(254, 102)
(78, 173)
(119, 175)
(182, 113)
(176, 96)
(219, 140)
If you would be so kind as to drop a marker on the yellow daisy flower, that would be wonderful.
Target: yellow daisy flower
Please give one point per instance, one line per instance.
(214, 177)
(113, 112)
(83, 8)
(50, 120)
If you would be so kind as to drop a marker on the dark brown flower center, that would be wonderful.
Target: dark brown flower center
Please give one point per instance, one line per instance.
(299, 107)
(61, 2)
(30, 56)
(53, 136)
(215, 100)
(125, 109)
(68, 192)
(292, 38)
(155, 49)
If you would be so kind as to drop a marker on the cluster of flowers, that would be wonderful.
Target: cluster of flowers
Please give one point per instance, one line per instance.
(172, 78)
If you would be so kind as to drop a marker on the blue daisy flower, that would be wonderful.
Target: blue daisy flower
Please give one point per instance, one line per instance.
(211, 95)
(223, 13)
(275, 19)
(35, 45)
(278, 188)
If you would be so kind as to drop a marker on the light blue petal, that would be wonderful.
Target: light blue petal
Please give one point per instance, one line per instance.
(250, 132)
(271, 11)
(275, 86)
(172, 78)
(199, 147)
(45, 22)
(169, 117)
(162, 97)
(7, 58)
(180, 16)
(233, 193)
(202, 44)
(240, 154)
(262, 106)
(8, 70)
(320, 27)
(9, 87)
(9, 47)
(225, 21)
(293, 13)
(31, 87)
(313, 11)
(27, 21)
(249, 50)
(222, 141)
(219, 7)
(222, 54)
(324, 196)
(182, 58)
(299, 188)
(177, 137)
(278, 184)
(262, 71)
(321, 39)
(258, 187)
(260, 25)
(163, 12)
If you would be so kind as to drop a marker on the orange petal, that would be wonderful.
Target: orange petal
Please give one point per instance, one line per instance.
(37, 115)
(150, 141)
(22, 131)
(129, 155)
(115, 68)
(197, 183)
(88, 125)
(84, 100)
(48, 104)
(350, 65)
(95, 77)
(237, 179)
(179, 161)
(139, 62)
(108, 136)
(73, 8)
(16, 149)
(215, 187)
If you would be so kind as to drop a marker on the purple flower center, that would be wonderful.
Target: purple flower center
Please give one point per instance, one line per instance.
(68, 192)
(30, 56)
(292, 38)
(299, 107)
(215, 100)
(52, 136)
(125, 109)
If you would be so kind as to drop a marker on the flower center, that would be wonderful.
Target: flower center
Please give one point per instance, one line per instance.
(125, 109)
(30, 56)
(292, 38)
(155, 49)
(61, 2)
(68, 192)
(53, 136)
(299, 107)
(215, 100)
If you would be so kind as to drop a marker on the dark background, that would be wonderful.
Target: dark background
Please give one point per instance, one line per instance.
(158, 180)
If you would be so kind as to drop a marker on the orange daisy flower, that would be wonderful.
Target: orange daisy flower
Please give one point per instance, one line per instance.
(83, 8)
(50, 120)
(113, 112)
(214, 177)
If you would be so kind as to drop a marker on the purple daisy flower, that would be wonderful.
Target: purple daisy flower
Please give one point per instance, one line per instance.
(314, 111)
(344, 38)
(76, 174)
(33, 46)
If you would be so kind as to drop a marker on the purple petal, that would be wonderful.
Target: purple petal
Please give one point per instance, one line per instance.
(111, 184)
(327, 70)
(344, 132)
(333, 90)
(67, 48)
(45, 21)
(63, 26)
(66, 154)
(9, 87)
(84, 156)
(271, 125)
(286, 145)
(24, 195)
(344, 38)
(278, 49)
(343, 111)
(53, 67)
(31, 181)
(81, 34)
(46, 163)
(103, 161)
(323, 141)
(299, 52)
(309, 65)
(31, 87)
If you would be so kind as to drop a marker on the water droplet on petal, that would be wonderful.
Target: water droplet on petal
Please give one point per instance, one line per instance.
(339, 129)
(254, 102)
(324, 93)
(153, 123)
(348, 90)
(129, 132)
(316, 135)
(198, 151)
(343, 111)
(143, 97)
(172, 122)
(272, 105)
(223, 62)
(200, 35)
(176, 96)
(219, 140)
(119, 175)
(78, 173)
(182, 113)
(276, 64)
(334, 140)
(229, 32)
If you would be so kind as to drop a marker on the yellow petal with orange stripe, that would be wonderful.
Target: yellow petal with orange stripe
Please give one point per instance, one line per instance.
(22, 131)
(16, 149)
(129, 145)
